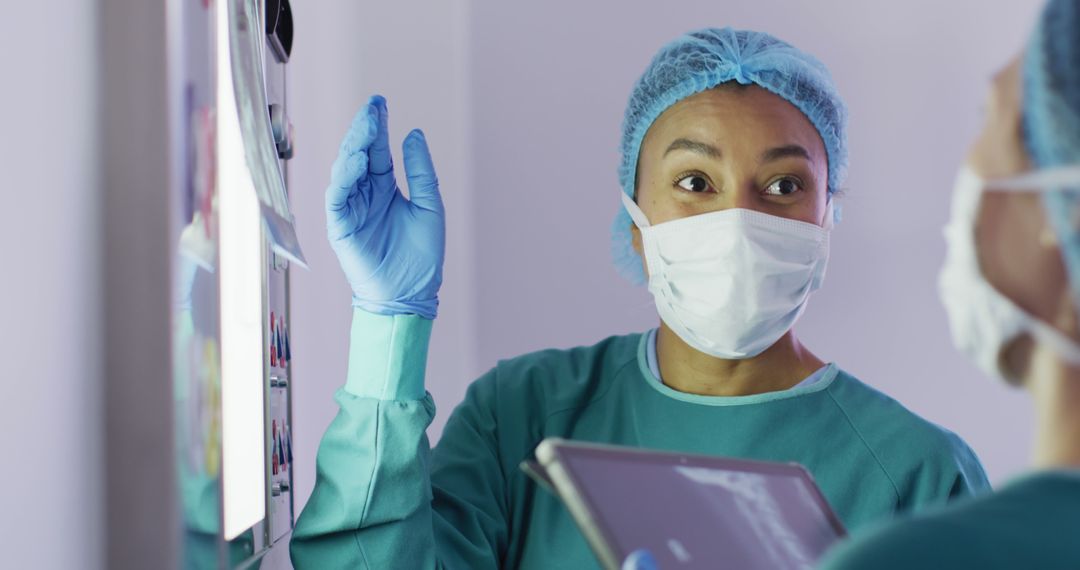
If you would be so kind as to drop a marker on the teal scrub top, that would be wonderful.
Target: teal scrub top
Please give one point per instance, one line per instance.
(1032, 523)
(382, 499)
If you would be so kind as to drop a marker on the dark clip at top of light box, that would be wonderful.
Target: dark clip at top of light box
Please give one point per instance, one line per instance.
(279, 28)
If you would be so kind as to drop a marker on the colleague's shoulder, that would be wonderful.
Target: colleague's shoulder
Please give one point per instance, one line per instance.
(1046, 503)
(924, 542)
(1030, 523)
(893, 431)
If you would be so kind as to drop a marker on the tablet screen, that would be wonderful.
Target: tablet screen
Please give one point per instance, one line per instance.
(697, 512)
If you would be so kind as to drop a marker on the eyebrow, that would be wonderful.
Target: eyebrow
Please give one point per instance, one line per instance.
(693, 146)
(787, 151)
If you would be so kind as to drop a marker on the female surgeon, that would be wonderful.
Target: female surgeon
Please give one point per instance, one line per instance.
(1011, 286)
(733, 146)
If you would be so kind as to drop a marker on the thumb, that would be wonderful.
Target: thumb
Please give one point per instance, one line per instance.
(420, 173)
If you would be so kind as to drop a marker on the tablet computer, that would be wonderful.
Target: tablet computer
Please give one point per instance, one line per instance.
(688, 511)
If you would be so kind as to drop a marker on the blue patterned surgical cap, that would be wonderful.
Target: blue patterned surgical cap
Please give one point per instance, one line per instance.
(1051, 119)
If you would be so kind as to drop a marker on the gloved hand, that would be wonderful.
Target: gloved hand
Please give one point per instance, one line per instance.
(640, 559)
(390, 247)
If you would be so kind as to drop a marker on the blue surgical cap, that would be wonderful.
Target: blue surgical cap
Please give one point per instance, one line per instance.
(704, 59)
(1051, 119)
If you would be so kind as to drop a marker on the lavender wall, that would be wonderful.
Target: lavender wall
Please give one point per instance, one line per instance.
(49, 159)
(549, 83)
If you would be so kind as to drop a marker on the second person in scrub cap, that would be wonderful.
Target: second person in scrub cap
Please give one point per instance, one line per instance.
(734, 145)
(1011, 288)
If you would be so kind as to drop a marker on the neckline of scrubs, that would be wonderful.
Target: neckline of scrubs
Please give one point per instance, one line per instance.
(828, 377)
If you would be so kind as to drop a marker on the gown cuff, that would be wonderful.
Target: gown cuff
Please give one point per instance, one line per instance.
(387, 356)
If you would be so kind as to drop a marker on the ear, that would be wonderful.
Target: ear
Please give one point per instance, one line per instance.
(1064, 316)
(639, 247)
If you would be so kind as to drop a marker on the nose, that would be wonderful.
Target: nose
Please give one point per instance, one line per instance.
(746, 200)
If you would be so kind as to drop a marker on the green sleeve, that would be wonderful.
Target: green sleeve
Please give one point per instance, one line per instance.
(470, 484)
(971, 478)
(373, 505)
(957, 475)
(370, 507)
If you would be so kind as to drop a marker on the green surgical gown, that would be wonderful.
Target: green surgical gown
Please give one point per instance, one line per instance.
(383, 500)
(1032, 523)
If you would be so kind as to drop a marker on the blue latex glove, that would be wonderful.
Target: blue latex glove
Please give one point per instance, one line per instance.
(390, 247)
(640, 559)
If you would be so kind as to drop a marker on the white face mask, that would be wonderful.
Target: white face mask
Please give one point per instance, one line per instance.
(731, 283)
(982, 320)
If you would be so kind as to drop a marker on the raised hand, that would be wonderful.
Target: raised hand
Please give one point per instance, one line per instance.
(390, 247)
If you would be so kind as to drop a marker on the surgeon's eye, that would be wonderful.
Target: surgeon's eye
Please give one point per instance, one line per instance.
(784, 187)
(694, 183)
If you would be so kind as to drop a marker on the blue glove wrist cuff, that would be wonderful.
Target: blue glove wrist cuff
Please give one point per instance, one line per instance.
(426, 309)
(387, 356)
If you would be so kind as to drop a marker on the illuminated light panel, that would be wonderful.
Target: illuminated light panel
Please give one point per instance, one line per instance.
(240, 269)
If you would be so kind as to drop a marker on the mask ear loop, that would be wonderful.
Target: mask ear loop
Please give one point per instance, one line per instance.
(642, 223)
(831, 213)
(1063, 346)
(635, 211)
(1039, 180)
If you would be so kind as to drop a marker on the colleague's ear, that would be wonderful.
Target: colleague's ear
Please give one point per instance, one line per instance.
(1066, 319)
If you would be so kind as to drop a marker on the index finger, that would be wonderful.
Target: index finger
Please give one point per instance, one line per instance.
(361, 131)
(381, 160)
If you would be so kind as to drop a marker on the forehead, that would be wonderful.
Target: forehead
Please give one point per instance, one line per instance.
(736, 116)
